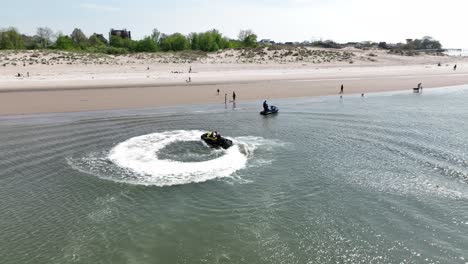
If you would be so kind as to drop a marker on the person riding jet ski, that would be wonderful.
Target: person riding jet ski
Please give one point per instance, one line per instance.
(265, 106)
(268, 110)
(213, 136)
(215, 140)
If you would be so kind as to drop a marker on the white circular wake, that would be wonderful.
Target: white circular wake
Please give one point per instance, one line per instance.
(140, 156)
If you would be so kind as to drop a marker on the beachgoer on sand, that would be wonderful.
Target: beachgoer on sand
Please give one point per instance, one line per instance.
(217, 91)
(341, 91)
(455, 67)
(190, 69)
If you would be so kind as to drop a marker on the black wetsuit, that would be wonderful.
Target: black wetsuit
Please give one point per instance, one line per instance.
(265, 106)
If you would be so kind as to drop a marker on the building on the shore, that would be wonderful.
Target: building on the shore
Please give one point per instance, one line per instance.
(123, 33)
(266, 42)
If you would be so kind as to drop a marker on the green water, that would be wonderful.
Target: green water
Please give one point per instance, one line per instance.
(382, 179)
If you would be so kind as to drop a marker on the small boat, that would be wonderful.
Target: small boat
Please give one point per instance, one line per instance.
(215, 140)
(273, 110)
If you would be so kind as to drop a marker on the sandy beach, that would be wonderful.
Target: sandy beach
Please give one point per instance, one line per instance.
(65, 82)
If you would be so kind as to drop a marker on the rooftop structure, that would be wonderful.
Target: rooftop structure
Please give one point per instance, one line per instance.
(123, 33)
(266, 42)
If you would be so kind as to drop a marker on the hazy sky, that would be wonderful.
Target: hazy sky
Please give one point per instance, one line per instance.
(280, 20)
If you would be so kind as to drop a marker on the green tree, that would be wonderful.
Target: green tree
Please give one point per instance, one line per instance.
(116, 41)
(221, 41)
(430, 43)
(11, 39)
(248, 38)
(123, 43)
(31, 42)
(156, 35)
(174, 42)
(194, 41)
(210, 40)
(79, 39)
(45, 36)
(146, 45)
(97, 40)
(64, 43)
(207, 42)
(422, 44)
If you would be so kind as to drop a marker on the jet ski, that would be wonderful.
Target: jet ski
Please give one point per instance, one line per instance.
(272, 110)
(214, 140)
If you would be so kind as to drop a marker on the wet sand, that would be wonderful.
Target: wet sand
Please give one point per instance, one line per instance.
(62, 88)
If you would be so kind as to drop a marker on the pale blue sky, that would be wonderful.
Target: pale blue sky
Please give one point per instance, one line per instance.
(280, 20)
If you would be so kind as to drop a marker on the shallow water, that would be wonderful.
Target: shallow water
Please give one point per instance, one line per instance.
(381, 179)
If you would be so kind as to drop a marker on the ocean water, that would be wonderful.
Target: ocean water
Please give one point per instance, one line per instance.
(380, 179)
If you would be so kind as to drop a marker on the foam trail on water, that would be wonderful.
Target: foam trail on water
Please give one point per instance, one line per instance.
(140, 156)
(143, 160)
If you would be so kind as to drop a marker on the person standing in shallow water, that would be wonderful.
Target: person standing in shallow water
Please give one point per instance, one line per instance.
(233, 96)
(225, 98)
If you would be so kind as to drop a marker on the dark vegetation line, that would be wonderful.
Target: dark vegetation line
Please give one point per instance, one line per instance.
(120, 42)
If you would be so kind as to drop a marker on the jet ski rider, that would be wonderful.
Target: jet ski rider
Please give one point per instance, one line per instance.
(265, 106)
(214, 136)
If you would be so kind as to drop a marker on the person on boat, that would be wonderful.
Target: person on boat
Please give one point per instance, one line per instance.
(265, 106)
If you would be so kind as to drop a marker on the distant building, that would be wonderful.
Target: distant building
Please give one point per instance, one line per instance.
(266, 42)
(123, 33)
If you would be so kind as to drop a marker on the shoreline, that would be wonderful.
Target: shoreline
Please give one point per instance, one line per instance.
(144, 83)
(127, 98)
(110, 97)
(171, 108)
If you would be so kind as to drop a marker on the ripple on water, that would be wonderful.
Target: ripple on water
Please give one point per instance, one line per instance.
(409, 162)
(170, 158)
